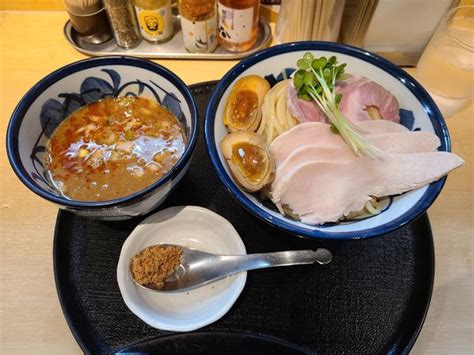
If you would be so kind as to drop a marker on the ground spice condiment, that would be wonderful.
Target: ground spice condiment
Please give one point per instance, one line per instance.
(153, 265)
(199, 25)
(122, 19)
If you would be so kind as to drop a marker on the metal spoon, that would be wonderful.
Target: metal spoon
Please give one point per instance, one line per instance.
(199, 268)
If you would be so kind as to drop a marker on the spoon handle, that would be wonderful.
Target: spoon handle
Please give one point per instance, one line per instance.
(230, 264)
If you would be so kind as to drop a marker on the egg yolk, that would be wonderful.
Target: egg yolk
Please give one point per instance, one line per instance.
(251, 160)
(243, 108)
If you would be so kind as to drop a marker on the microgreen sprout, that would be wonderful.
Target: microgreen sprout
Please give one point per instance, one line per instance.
(316, 80)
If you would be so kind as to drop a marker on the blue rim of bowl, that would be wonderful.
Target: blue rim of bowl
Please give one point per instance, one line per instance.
(415, 88)
(37, 89)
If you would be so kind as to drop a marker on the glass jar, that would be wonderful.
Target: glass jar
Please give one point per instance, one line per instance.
(199, 25)
(155, 20)
(123, 22)
(238, 24)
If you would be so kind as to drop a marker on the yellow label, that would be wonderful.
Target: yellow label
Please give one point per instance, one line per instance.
(151, 22)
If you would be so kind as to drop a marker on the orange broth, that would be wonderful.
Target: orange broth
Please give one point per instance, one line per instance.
(113, 148)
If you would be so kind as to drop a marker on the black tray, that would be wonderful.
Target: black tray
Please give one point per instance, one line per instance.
(371, 299)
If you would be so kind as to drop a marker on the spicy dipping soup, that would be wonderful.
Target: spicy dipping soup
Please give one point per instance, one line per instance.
(113, 148)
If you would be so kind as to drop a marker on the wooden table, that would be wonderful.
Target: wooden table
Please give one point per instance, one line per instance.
(32, 45)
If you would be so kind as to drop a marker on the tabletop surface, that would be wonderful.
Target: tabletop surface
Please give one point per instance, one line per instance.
(31, 46)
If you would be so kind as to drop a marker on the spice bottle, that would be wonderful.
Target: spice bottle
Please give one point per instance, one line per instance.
(238, 24)
(155, 20)
(89, 20)
(199, 25)
(124, 25)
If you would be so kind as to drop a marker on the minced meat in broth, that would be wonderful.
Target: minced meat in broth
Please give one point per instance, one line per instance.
(113, 148)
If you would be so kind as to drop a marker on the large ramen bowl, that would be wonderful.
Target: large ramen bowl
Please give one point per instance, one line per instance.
(54, 97)
(418, 112)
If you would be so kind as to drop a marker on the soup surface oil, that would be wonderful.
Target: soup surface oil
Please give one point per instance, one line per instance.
(113, 148)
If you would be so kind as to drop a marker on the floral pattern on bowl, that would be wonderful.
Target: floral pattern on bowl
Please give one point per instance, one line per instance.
(64, 91)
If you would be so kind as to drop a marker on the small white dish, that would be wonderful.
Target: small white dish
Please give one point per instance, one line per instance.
(193, 227)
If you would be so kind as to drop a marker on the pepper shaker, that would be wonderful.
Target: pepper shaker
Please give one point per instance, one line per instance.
(123, 22)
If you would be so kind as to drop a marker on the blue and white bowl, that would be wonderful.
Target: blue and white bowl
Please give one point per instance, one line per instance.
(54, 97)
(418, 112)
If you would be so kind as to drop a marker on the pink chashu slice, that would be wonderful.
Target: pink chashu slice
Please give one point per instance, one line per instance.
(385, 135)
(358, 94)
(325, 191)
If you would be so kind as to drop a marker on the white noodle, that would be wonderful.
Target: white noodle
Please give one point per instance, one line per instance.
(276, 118)
(373, 207)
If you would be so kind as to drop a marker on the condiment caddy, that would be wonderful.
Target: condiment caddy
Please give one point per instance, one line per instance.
(174, 48)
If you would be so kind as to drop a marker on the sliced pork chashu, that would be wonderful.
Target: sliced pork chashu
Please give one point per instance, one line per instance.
(309, 153)
(389, 137)
(360, 95)
(362, 99)
(320, 192)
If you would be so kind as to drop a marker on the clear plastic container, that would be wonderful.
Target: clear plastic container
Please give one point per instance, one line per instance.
(305, 20)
